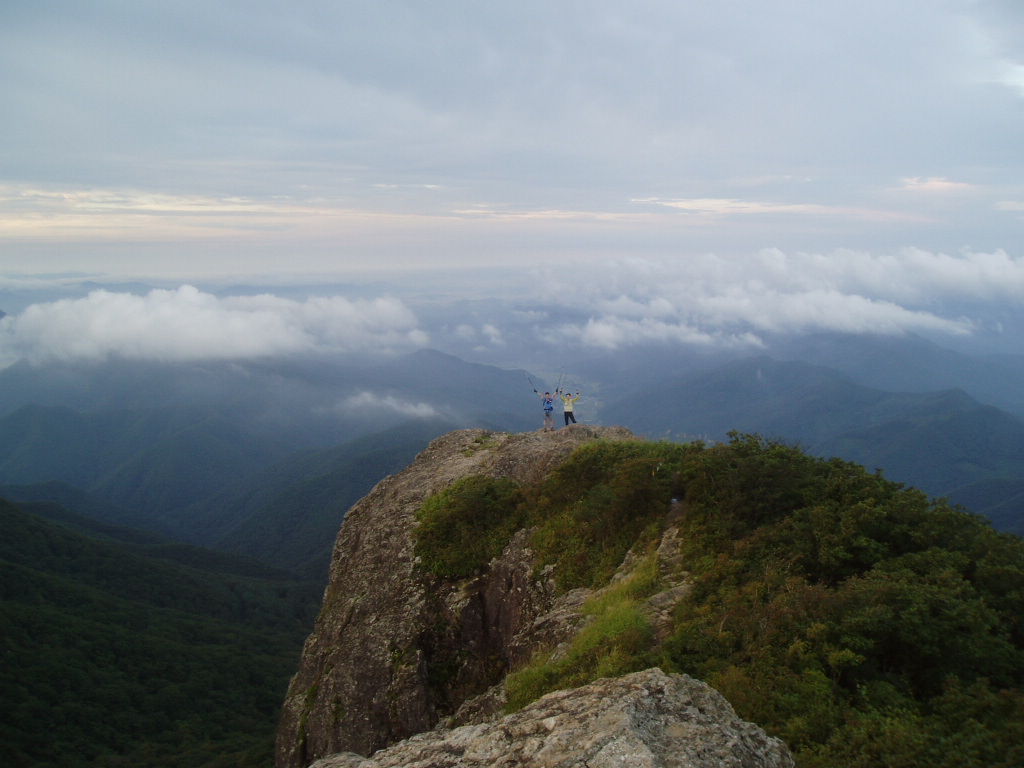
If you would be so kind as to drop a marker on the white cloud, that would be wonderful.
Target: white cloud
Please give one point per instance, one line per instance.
(943, 185)
(188, 324)
(493, 334)
(713, 300)
(612, 332)
(370, 403)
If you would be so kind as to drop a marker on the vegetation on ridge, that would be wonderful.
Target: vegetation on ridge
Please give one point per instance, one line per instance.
(861, 622)
(615, 642)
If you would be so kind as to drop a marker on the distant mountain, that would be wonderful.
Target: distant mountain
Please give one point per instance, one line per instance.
(193, 450)
(148, 461)
(154, 654)
(1001, 500)
(793, 400)
(91, 516)
(223, 454)
(145, 543)
(289, 514)
(302, 401)
(945, 443)
(285, 514)
(910, 363)
(904, 363)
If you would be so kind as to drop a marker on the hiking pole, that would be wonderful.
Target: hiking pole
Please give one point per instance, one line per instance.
(531, 382)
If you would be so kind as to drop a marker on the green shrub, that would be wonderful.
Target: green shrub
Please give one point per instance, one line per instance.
(466, 525)
(856, 619)
(834, 608)
(607, 498)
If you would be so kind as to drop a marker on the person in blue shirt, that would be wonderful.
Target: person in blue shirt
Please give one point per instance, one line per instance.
(548, 400)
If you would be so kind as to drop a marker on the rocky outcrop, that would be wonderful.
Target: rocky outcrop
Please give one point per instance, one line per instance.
(395, 649)
(644, 719)
(397, 652)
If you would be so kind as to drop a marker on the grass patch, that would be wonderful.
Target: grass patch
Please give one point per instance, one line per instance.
(616, 642)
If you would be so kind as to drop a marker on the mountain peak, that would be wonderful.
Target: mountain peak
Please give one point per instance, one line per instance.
(365, 679)
(499, 568)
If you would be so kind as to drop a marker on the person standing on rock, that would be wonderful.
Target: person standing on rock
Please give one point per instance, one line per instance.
(549, 406)
(567, 406)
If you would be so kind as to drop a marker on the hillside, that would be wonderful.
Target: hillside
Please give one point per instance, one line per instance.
(194, 450)
(145, 462)
(263, 459)
(908, 363)
(854, 618)
(123, 649)
(943, 442)
(293, 510)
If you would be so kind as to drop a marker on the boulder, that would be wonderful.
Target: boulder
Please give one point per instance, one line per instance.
(646, 719)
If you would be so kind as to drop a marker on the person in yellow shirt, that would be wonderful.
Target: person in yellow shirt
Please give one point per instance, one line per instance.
(567, 406)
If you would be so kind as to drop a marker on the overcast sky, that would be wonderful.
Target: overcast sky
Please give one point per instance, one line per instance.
(689, 170)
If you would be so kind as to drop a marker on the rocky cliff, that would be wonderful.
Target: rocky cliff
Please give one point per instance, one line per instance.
(645, 719)
(397, 651)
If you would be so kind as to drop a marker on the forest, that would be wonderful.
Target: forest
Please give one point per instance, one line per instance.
(140, 654)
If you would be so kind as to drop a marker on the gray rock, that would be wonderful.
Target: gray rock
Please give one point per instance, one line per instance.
(644, 719)
(394, 649)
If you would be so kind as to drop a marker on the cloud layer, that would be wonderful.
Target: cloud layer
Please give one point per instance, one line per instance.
(189, 324)
(705, 300)
(711, 300)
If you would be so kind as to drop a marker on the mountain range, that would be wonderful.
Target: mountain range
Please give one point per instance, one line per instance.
(199, 502)
(263, 459)
(944, 442)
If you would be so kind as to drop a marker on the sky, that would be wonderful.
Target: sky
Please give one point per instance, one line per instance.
(696, 172)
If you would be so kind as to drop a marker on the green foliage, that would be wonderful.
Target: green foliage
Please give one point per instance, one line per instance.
(585, 517)
(840, 610)
(599, 504)
(114, 657)
(860, 621)
(466, 525)
(616, 641)
(965, 727)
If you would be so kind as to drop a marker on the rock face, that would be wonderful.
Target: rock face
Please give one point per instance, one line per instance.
(644, 719)
(397, 651)
(394, 649)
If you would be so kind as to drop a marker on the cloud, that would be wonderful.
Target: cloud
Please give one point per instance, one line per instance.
(188, 324)
(493, 334)
(370, 403)
(714, 207)
(918, 184)
(464, 332)
(344, 133)
(714, 300)
(613, 332)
